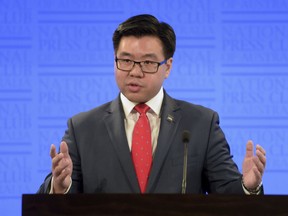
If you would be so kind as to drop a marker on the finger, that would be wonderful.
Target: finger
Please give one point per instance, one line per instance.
(56, 160)
(261, 149)
(62, 165)
(261, 157)
(64, 148)
(258, 175)
(63, 175)
(249, 149)
(63, 181)
(260, 166)
(52, 151)
(58, 172)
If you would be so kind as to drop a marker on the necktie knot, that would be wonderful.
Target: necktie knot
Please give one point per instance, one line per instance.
(142, 108)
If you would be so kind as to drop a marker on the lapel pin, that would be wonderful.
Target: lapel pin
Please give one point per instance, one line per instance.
(170, 118)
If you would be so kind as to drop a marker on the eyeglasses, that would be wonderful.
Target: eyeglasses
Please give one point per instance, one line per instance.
(146, 66)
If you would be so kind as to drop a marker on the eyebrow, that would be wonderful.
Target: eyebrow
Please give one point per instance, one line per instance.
(124, 54)
(148, 55)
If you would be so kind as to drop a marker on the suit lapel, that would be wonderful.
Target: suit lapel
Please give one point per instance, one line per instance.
(115, 126)
(169, 123)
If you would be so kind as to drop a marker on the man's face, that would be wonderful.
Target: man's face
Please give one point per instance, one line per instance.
(135, 85)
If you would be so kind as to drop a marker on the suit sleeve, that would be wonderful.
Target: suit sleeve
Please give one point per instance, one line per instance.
(221, 174)
(45, 187)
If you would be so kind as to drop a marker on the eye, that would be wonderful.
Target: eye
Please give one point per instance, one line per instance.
(149, 62)
(126, 61)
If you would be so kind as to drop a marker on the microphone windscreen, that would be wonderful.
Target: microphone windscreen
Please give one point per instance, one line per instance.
(186, 136)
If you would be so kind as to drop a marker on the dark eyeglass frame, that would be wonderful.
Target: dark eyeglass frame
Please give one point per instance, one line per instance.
(140, 64)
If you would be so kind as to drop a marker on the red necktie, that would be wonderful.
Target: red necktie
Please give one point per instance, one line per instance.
(142, 147)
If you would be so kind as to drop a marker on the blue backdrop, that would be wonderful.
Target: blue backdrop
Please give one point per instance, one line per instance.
(56, 59)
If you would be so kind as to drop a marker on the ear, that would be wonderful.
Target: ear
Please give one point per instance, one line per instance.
(168, 67)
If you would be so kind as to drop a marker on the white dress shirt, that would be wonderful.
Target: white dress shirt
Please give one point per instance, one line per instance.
(131, 117)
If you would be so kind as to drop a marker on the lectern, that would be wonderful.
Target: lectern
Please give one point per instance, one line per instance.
(153, 204)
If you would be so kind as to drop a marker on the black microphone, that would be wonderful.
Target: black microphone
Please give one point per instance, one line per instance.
(185, 140)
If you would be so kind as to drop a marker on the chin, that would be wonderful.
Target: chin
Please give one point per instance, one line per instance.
(136, 99)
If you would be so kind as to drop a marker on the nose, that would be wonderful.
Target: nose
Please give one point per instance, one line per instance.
(136, 70)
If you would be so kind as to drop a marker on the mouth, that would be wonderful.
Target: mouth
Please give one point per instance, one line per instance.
(134, 87)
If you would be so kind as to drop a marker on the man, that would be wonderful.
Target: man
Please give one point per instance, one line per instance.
(102, 149)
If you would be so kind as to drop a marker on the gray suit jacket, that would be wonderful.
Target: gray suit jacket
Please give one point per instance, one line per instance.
(102, 161)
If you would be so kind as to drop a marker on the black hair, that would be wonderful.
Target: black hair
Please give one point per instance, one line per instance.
(147, 25)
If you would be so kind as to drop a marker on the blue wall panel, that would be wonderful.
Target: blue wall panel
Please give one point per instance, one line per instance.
(56, 59)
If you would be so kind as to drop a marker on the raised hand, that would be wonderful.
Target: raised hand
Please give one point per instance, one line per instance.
(253, 165)
(61, 168)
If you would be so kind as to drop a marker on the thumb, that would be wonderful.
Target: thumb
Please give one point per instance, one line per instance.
(64, 148)
(249, 149)
(52, 151)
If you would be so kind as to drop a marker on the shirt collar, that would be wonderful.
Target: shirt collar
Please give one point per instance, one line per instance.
(155, 103)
